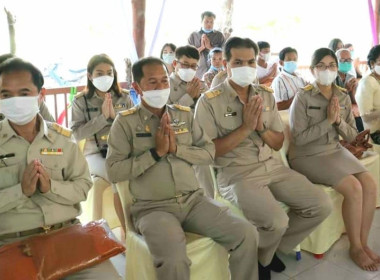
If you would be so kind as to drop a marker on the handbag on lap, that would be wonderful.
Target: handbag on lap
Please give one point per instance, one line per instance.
(58, 253)
(359, 145)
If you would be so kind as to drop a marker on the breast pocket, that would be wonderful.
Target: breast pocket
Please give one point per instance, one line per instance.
(230, 122)
(55, 173)
(9, 176)
(315, 115)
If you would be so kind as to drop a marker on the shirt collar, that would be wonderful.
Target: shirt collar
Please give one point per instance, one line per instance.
(316, 89)
(176, 80)
(7, 132)
(232, 94)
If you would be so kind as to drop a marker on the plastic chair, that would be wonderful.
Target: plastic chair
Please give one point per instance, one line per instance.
(209, 259)
(331, 229)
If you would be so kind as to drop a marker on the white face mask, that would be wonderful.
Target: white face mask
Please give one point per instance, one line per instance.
(156, 98)
(103, 83)
(266, 56)
(377, 69)
(243, 76)
(168, 58)
(326, 77)
(186, 74)
(20, 110)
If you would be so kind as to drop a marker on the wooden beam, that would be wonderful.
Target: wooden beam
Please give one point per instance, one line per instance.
(138, 16)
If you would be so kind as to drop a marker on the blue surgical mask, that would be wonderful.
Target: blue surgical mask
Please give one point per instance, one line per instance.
(344, 67)
(352, 54)
(290, 66)
(206, 30)
(168, 57)
(216, 68)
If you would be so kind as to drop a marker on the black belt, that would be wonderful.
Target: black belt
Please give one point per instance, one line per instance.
(44, 229)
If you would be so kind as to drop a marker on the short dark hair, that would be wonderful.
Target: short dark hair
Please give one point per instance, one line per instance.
(238, 43)
(214, 50)
(319, 54)
(17, 64)
(137, 68)
(373, 54)
(286, 50)
(207, 14)
(6, 56)
(170, 45)
(348, 45)
(189, 51)
(334, 44)
(263, 45)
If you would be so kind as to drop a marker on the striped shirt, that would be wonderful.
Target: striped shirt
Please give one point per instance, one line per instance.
(285, 86)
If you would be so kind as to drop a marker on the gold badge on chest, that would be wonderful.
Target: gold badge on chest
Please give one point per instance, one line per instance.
(179, 127)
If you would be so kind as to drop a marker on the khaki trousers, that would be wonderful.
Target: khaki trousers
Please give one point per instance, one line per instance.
(163, 223)
(256, 190)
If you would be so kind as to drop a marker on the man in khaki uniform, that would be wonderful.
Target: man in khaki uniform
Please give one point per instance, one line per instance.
(151, 145)
(185, 88)
(44, 176)
(243, 121)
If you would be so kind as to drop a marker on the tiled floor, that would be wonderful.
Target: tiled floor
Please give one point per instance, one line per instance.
(336, 265)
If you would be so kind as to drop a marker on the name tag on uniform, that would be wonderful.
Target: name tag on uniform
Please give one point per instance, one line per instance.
(314, 107)
(180, 130)
(232, 114)
(52, 151)
(119, 106)
(142, 134)
(342, 107)
(266, 109)
(92, 109)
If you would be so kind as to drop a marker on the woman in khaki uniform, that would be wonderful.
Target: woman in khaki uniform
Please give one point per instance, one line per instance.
(320, 113)
(93, 113)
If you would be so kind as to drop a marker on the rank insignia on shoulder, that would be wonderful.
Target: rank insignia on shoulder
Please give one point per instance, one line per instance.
(180, 130)
(80, 94)
(268, 89)
(120, 105)
(51, 151)
(128, 112)
(182, 108)
(342, 89)
(308, 87)
(212, 94)
(61, 130)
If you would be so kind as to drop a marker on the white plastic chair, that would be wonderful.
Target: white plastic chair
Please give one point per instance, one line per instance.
(209, 259)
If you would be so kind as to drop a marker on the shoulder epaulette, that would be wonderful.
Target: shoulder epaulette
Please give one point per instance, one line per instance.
(60, 129)
(128, 112)
(79, 95)
(308, 87)
(125, 91)
(268, 89)
(182, 108)
(212, 94)
(341, 89)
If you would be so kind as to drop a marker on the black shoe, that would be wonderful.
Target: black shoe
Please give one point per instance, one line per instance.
(276, 264)
(264, 272)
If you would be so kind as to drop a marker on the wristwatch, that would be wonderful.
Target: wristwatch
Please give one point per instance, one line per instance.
(154, 154)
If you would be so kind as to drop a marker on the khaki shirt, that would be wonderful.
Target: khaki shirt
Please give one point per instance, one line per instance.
(178, 94)
(216, 41)
(44, 112)
(66, 166)
(368, 99)
(129, 158)
(311, 131)
(219, 78)
(85, 128)
(220, 111)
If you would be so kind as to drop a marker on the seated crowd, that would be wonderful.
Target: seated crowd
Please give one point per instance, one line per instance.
(212, 102)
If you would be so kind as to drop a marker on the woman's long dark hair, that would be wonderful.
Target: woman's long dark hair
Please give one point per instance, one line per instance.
(94, 61)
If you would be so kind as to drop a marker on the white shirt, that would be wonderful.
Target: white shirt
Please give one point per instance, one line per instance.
(263, 72)
(285, 86)
(368, 99)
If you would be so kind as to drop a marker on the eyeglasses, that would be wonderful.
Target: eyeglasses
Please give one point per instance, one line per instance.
(345, 60)
(323, 67)
(187, 66)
